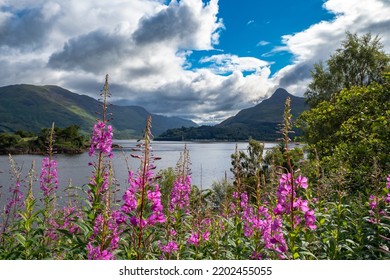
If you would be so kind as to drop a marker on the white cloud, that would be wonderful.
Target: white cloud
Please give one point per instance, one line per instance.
(185, 25)
(144, 45)
(226, 63)
(319, 41)
(262, 43)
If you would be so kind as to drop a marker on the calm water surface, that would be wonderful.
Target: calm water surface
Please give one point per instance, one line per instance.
(210, 161)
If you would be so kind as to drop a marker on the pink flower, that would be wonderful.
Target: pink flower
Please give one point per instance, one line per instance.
(106, 235)
(157, 215)
(302, 205)
(129, 197)
(256, 256)
(135, 221)
(194, 239)
(301, 182)
(276, 224)
(297, 220)
(70, 214)
(310, 219)
(101, 139)
(373, 202)
(170, 247)
(94, 253)
(235, 195)
(206, 235)
(285, 179)
(16, 199)
(180, 194)
(279, 209)
(49, 177)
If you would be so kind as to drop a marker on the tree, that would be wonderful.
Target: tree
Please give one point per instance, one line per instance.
(359, 62)
(25, 134)
(352, 130)
(8, 140)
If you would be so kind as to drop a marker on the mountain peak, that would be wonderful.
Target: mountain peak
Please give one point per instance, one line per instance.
(269, 110)
(280, 94)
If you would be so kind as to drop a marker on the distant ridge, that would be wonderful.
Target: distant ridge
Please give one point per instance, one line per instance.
(269, 110)
(259, 122)
(31, 108)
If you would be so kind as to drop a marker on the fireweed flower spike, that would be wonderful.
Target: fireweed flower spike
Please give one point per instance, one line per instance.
(106, 235)
(377, 204)
(310, 219)
(157, 215)
(170, 248)
(300, 206)
(142, 205)
(101, 139)
(201, 234)
(16, 200)
(129, 198)
(180, 195)
(49, 176)
(260, 222)
(101, 148)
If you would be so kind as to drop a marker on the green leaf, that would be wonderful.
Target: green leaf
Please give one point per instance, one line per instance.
(21, 239)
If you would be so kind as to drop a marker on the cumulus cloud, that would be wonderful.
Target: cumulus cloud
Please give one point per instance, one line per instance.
(90, 52)
(186, 24)
(145, 47)
(319, 41)
(26, 28)
(227, 63)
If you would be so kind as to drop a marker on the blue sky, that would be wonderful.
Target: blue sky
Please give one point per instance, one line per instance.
(255, 28)
(198, 59)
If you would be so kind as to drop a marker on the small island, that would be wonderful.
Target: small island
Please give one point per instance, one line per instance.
(67, 140)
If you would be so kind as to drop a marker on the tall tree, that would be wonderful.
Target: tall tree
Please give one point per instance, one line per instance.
(352, 130)
(359, 62)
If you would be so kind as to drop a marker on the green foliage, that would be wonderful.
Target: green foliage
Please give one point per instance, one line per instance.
(221, 191)
(352, 129)
(165, 179)
(359, 62)
(248, 166)
(315, 219)
(344, 224)
(67, 140)
(8, 140)
(276, 156)
(25, 134)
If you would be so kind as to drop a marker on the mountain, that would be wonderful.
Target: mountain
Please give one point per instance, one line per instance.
(259, 122)
(31, 108)
(268, 111)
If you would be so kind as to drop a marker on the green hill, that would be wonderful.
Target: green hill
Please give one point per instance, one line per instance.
(259, 122)
(31, 108)
(268, 111)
